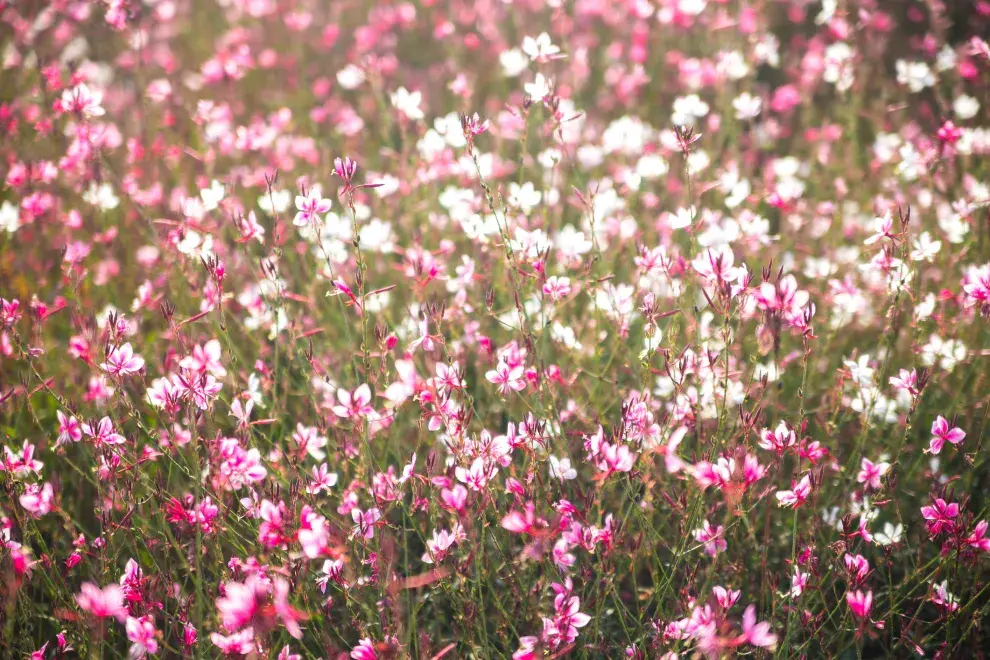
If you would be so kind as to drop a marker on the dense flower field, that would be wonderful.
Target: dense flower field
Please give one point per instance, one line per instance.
(496, 328)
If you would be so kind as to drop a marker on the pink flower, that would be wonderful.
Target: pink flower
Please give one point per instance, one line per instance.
(943, 597)
(37, 500)
(615, 458)
(454, 499)
(725, 598)
(716, 266)
(883, 227)
(103, 433)
(69, 429)
(526, 522)
(857, 566)
(799, 580)
(23, 464)
(240, 602)
(562, 628)
(202, 388)
(477, 476)
(557, 288)
(939, 516)
(121, 361)
(860, 603)
(871, 473)
(313, 535)
(101, 603)
(205, 358)
(287, 654)
(289, 615)
(527, 648)
(942, 432)
(141, 632)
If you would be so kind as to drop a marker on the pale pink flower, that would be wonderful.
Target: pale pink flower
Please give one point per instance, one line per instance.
(507, 378)
(364, 522)
(354, 404)
(121, 361)
(310, 207)
(757, 634)
(796, 497)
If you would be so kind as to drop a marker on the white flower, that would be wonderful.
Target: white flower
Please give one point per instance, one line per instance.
(890, 535)
(965, 107)
(102, 196)
(10, 217)
(747, 106)
(212, 196)
(526, 196)
(513, 62)
(691, 7)
(539, 48)
(560, 468)
(915, 75)
(652, 166)
(408, 103)
(277, 202)
(539, 89)
(688, 110)
(350, 77)
(923, 248)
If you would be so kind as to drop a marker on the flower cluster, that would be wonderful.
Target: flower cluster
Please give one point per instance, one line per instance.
(642, 328)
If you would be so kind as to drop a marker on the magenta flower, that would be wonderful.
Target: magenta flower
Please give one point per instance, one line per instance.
(69, 429)
(240, 602)
(860, 603)
(365, 650)
(778, 440)
(940, 516)
(978, 538)
(943, 432)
